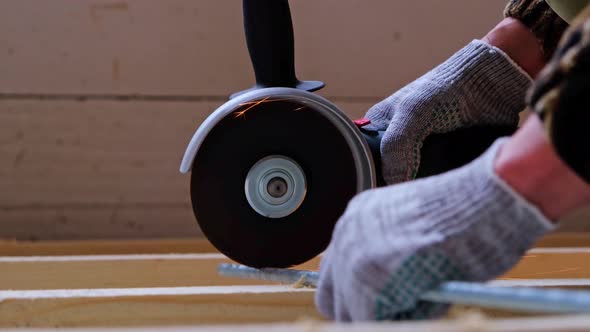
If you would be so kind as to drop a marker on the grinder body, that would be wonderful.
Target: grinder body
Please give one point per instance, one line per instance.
(273, 168)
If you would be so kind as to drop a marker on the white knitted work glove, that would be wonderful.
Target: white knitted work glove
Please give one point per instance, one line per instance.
(479, 85)
(395, 243)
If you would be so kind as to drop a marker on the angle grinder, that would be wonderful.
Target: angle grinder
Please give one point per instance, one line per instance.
(274, 167)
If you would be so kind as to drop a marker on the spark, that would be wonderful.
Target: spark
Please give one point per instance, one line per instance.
(267, 100)
(252, 104)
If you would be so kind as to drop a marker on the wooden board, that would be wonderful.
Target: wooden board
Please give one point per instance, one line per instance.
(199, 269)
(97, 153)
(106, 247)
(465, 323)
(177, 270)
(118, 271)
(184, 289)
(104, 169)
(188, 245)
(543, 263)
(565, 239)
(193, 262)
(183, 47)
(155, 306)
(172, 306)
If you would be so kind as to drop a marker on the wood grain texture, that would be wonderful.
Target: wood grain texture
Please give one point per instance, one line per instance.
(464, 323)
(106, 247)
(119, 271)
(92, 153)
(184, 289)
(184, 47)
(99, 169)
(564, 239)
(160, 306)
(200, 269)
(553, 263)
(75, 170)
(155, 306)
(189, 246)
(100, 221)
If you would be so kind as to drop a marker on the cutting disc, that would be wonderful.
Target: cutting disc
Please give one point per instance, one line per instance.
(270, 181)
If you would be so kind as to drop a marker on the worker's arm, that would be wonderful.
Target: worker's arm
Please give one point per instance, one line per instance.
(484, 83)
(474, 223)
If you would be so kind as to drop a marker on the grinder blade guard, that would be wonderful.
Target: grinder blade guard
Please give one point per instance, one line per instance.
(273, 168)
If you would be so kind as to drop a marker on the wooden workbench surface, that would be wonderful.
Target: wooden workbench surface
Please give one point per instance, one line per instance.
(150, 283)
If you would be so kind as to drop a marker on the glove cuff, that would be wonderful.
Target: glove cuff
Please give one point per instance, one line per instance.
(396, 243)
(474, 227)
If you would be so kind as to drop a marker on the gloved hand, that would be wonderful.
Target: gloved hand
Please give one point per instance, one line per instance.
(564, 106)
(479, 85)
(395, 243)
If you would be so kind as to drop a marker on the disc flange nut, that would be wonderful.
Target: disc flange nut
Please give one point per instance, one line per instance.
(275, 186)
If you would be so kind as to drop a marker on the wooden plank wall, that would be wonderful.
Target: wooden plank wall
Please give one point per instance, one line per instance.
(98, 98)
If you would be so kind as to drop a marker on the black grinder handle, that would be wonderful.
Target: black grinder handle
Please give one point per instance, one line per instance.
(269, 36)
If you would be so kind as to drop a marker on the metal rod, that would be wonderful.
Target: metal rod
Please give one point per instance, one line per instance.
(512, 298)
(509, 298)
(305, 278)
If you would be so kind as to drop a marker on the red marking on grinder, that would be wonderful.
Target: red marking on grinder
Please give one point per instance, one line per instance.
(362, 122)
